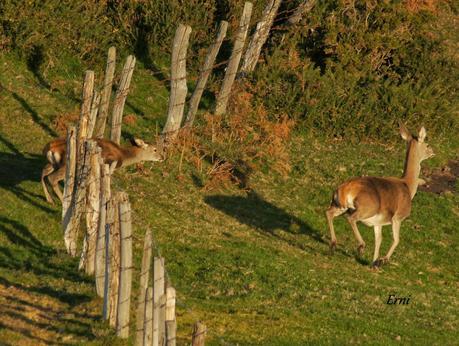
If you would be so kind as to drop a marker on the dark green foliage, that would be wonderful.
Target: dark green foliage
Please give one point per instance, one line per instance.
(358, 69)
(349, 69)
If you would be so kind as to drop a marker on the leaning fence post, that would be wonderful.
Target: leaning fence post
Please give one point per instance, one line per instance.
(124, 295)
(199, 334)
(83, 123)
(144, 274)
(92, 211)
(260, 36)
(302, 8)
(106, 92)
(148, 318)
(178, 82)
(106, 307)
(120, 99)
(99, 262)
(93, 113)
(158, 291)
(205, 73)
(69, 183)
(230, 75)
(114, 258)
(79, 200)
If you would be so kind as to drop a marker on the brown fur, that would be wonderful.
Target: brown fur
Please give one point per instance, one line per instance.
(55, 152)
(378, 201)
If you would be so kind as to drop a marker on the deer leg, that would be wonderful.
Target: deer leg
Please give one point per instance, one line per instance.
(353, 222)
(54, 178)
(396, 235)
(331, 213)
(47, 170)
(378, 239)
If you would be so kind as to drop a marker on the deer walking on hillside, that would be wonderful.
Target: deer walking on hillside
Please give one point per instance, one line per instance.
(111, 152)
(378, 201)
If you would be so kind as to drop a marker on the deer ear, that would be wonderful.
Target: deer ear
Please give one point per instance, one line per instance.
(406, 135)
(422, 135)
(139, 143)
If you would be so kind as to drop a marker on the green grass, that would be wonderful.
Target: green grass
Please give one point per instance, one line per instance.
(255, 268)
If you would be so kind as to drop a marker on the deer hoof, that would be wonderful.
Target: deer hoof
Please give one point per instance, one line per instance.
(361, 249)
(379, 262)
(332, 246)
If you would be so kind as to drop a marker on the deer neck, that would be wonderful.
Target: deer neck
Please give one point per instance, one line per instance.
(412, 169)
(131, 156)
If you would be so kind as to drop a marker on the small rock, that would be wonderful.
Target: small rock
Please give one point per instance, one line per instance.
(398, 338)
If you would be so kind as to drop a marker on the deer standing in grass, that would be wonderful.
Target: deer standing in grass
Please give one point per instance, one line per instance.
(111, 152)
(378, 201)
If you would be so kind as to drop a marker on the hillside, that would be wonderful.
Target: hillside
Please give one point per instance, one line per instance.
(248, 252)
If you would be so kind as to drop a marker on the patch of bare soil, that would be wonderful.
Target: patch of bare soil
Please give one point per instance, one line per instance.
(442, 180)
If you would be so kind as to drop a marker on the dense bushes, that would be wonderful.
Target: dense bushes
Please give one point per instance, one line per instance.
(350, 68)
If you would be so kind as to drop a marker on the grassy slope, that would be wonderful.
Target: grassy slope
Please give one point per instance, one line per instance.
(254, 268)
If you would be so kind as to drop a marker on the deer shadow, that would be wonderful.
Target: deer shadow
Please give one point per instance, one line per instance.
(262, 215)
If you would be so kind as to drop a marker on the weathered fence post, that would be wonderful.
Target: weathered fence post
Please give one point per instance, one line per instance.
(124, 295)
(120, 99)
(107, 291)
(106, 93)
(83, 123)
(99, 264)
(302, 8)
(92, 211)
(115, 249)
(162, 320)
(230, 75)
(199, 334)
(260, 36)
(158, 291)
(79, 200)
(178, 82)
(93, 114)
(171, 324)
(144, 274)
(148, 318)
(205, 73)
(69, 183)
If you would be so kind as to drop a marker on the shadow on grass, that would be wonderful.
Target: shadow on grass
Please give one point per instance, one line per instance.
(262, 215)
(17, 167)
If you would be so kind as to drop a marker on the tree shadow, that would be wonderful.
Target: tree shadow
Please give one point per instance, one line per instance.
(35, 60)
(17, 167)
(33, 113)
(262, 215)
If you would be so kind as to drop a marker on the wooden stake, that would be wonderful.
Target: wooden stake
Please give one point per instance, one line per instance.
(79, 200)
(69, 182)
(93, 114)
(114, 258)
(144, 274)
(106, 307)
(88, 88)
(120, 99)
(171, 332)
(148, 318)
(260, 36)
(199, 334)
(92, 209)
(124, 295)
(178, 82)
(100, 246)
(230, 75)
(205, 73)
(170, 303)
(106, 93)
(162, 320)
(158, 291)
